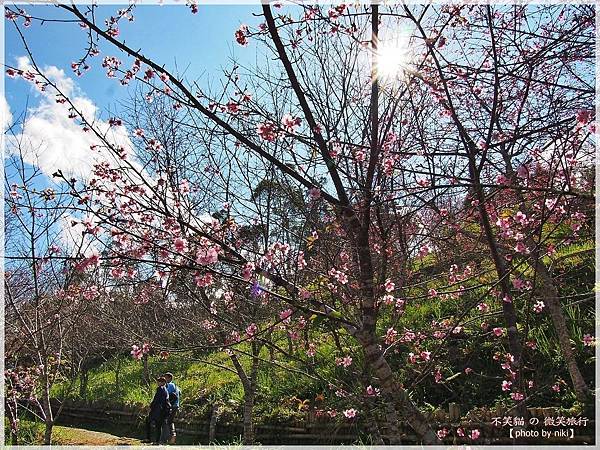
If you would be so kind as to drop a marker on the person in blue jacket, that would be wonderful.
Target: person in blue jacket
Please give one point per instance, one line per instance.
(174, 400)
(159, 411)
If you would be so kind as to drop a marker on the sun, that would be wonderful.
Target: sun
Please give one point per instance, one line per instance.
(393, 60)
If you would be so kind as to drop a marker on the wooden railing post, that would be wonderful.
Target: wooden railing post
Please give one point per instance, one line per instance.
(454, 412)
(212, 426)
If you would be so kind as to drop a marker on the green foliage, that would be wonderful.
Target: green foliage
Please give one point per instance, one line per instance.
(282, 394)
(30, 432)
(121, 379)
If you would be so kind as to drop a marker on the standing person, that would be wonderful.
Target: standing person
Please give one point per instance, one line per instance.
(159, 411)
(174, 399)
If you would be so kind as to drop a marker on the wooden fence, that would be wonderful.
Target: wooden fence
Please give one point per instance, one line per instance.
(313, 430)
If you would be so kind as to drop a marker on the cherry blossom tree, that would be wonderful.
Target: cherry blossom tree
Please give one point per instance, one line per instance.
(45, 300)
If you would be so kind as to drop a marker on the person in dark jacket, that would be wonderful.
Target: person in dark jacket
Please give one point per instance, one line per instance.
(159, 411)
(174, 399)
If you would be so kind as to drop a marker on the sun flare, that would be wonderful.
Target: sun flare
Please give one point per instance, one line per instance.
(393, 60)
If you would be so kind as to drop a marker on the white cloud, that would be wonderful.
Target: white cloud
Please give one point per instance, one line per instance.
(51, 140)
(5, 115)
(73, 240)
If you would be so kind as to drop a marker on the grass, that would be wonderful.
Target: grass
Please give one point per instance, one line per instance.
(121, 379)
(32, 433)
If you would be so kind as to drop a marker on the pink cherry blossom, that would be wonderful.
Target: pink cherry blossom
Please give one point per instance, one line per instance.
(475, 434)
(267, 131)
(290, 123)
(346, 361)
(521, 218)
(301, 261)
(588, 340)
(521, 248)
(539, 306)
(136, 352)
(498, 331)
(117, 272)
(251, 329)
(518, 283)
(207, 255)
(204, 280)
(314, 193)
(388, 299)
(517, 396)
(184, 187)
(390, 336)
(501, 179)
(248, 271)
(360, 155)
(285, 315)
(232, 107)
(373, 392)
(442, 433)
(338, 275)
(506, 385)
(424, 251)
(424, 182)
(241, 35)
(180, 245)
(305, 294)
(91, 261)
(389, 285)
(350, 413)
(335, 149)
(584, 116)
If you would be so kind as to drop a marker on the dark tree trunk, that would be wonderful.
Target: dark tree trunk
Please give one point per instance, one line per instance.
(47, 409)
(373, 430)
(118, 373)
(248, 415)
(14, 436)
(395, 396)
(249, 382)
(551, 298)
(12, 407)
(83, 383)
(48, 432)
(550, 295)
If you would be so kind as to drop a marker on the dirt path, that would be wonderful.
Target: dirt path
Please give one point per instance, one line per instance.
(79, 436)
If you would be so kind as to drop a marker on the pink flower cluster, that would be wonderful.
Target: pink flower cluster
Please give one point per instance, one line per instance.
(138, 352)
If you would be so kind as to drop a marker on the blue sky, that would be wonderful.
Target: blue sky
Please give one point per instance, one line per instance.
(202, 43)
(199, 44)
